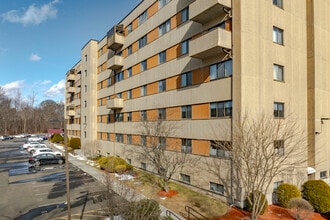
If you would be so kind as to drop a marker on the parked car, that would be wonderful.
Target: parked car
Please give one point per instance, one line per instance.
(32, 148)
(45, 150)
(30, 144)
(3, 138)
(36, 139)
(46, 158)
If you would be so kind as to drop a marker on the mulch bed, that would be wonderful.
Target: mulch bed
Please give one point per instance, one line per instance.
(168, 194)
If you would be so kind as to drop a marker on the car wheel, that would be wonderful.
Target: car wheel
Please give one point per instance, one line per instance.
(37, 163)
(60, 161)
(32, 151)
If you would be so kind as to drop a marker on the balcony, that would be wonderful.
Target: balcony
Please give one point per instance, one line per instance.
(115, 37)
(71, 89)
(78, 111)
(71, 112)
(214, 42)
(203, 11)
(115, 62)
(70, 75)
(116, 103)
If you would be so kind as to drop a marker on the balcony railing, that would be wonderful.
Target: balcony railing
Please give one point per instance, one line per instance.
(71, 89)
(115, 37)
(115, 62)
(116, 103)
(203, 11)
(71, 112)
(214, 42)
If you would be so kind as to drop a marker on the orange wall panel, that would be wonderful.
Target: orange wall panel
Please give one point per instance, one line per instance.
(200, 75)
(135, 139)
(112, 137)
(175, 20)
(173, 144)
(173, 113)
(201, 147)
(124, 53)
(152, 114)
(152, 61)
(153, 35)
(135, 24)
(135, 46)
(173, 52)
(136, 69)
(172, 83)
(136, 93)
(200, 111)
(152, 88)
(136, 116)
(153, 9)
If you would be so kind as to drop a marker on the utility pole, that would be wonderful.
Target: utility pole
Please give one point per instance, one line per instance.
(67, 170)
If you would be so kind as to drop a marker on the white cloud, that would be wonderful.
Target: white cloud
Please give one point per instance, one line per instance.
(11, 89)
(33, 15)
(34, 57)
(45, 82)
(56, 90)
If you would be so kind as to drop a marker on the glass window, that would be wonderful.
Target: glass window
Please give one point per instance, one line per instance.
(143, 17)
(221, 109)
(129, 72)
(277, 35)
(108, 136)
(129, 139)
(143, 166)
(186, 146)
(162, 85)
(184, 47)
(144, 65)
(129, 116)
(162, 113)
(119, 116)
(129, 28)
(221, 70)
(186, 79)
(323, 174)
(143, 115)
(278, 72)
(278, 110)
(279, 147)
(162, 142)
(143, 90)
(129, 50)
(109, 82)
(164, 27)
(129, 94)
(162, 57)
(120, 138)
(185, 15)
(143, 41)
(186, 111)
(278, 3)
(185, 178)
(162, 3)
(143, 140)
(119, 76)
(217, 188)
(220, 149)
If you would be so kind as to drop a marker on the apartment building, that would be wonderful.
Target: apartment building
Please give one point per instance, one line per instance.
(201, 65)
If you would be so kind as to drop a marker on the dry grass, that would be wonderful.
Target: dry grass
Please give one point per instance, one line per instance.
(146, 184)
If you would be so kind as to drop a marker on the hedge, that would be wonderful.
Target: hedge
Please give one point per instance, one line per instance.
(285, 192)
(317, 193)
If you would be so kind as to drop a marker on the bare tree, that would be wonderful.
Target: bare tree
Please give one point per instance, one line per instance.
(260, 149)
(156, 137)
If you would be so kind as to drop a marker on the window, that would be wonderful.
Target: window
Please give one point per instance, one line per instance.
(278, 110)
(129, 94)
(221, 70)
(108, 118)
(279, 147)
(221, 109)
(85, 73)
(164, 27)
(85, 104)
(278, 3)
(277, 35)
(143, 140)
(143, 90)
(85, 134)
(129, 139)
(143, 41)
(129, 50)
(129, 160)
(119, 76)
(162, 113)
(85, 86)
(129, 116)
(143, 115)
(162, 57)
(109, 82)
(220, 149)
(186, 79)
(129, 72)
(184, 47)
(129, 28)
(278, 72)
(119, 95)
(276, 185)
(143, 166)
(144, 65)
(217, 188)
(162, 3)
(185, 178)
(108, 136)
(85, 119)
(162, 142)
(185, 15)
(186, 111)
(86, 57)
(120, 138)
(119, 116)
(323, 174)
(186, 146)
(162, 85)
(143, 17)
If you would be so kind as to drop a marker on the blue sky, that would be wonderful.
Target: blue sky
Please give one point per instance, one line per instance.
(40, 40)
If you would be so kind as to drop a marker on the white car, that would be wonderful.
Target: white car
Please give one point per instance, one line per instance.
(46, 150)
(35, 139)
(35, 147)
(30, 144)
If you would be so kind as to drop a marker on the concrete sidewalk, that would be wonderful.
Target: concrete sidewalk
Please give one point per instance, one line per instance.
(99, 175)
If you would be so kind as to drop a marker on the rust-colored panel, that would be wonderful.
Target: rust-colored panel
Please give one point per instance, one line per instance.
(201, 147)
(173, 113)
(135, 24)
(124, 95)
(172, 83)
(98, 86)
(112, 137)
(136, 92)
(136, 139)
(152, 88)
(173, 144)
(153, 35)
(104, 136)
(175, 20)
(153, 9)
(136, 116)
(104, 101)
(152, 114)
(125, 53)
(172, 53)
(200, 111)
(152, 61)
(136, 69)
(135, 46)
(104, 118)
(200, 75)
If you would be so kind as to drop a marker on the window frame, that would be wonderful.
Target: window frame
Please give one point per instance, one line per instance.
(143, 115)
(184, 15)
(143, 65)
(143, 17)
(164, 27)
(279, 147)
(162, 85)
(184, 47)
(220, 149)
(186, 145)
(143, 41)
(186, 112)
(278, 72)
(186, 79)
(162, 57)
(143, 90)
(162, 113)
(184, 178)
(217, 188)
(221, 109)
(278, 3)
(129, 116)
(278, 35)
(279, 109)
(221, 70)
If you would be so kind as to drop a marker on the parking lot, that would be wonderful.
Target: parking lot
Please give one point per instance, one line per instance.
(40, 192)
